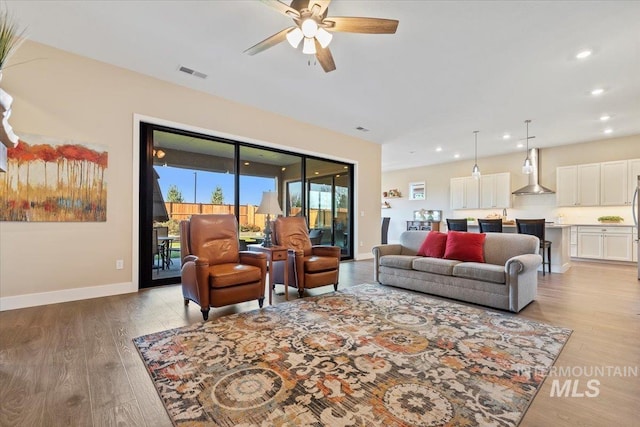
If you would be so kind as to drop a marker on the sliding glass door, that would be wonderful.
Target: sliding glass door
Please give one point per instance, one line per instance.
(184, 174)
(329, 202)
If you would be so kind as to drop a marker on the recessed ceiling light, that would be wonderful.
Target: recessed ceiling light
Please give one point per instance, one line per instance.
(597, 91)
(438, 149)
(608, 131)
(338, 176)
(506, 136)
(456, 155)
(246, 163)
(317, 173)
(520, 145)
(345, 167)
(583, 54)
(604, 117)
(284, 169)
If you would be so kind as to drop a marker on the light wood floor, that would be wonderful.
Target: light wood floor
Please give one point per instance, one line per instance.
(74, 364)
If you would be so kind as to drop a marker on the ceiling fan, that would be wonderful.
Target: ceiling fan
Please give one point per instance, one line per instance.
(313, 28)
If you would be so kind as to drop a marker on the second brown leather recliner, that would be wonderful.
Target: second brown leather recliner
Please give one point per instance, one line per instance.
(309, 266)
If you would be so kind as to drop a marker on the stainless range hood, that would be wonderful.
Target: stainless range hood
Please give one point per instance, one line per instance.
(534, 186)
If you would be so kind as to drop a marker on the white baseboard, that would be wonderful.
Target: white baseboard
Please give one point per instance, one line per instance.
(65, 295)
(366, 255)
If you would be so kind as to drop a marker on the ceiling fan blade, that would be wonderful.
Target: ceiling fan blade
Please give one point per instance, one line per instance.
(325, 58)
(321, 4)
(350, 24)
(269, 42)
(286, 10)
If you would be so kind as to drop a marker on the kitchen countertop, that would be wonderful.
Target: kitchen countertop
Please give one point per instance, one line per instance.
(547, 225)
(604, 224)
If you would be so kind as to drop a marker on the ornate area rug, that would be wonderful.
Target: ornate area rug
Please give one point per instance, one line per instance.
(369, 355)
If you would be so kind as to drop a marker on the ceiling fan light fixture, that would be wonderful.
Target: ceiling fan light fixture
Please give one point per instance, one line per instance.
(294, 37)
(324, 37)
(309, 28)
(309, 46)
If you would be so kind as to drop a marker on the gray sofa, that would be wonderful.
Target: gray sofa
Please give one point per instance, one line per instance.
(507, 280)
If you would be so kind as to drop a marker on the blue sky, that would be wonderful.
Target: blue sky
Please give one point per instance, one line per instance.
(206, 182)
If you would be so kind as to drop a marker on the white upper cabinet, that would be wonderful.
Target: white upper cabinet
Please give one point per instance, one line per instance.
(495, 191)
(597, 184)
(578, 185)
(618, 181)
(566, 185)
(633, 170)
(464, 193)
(613, 183)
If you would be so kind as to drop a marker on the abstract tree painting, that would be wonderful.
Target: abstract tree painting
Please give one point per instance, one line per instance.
(51, 180)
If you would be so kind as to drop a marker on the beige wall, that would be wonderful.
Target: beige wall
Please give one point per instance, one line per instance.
(437, 182)
(69, 97)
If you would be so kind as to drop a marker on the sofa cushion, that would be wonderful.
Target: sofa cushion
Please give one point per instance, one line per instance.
(435, 265)
(434, 245)
(465, 246)
(480, 271)
(398, 261)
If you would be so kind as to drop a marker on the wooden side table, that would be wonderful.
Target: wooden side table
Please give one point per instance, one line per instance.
(274, 254)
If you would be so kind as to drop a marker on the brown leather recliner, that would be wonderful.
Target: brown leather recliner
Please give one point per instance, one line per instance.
(215, 272)
(309, 266)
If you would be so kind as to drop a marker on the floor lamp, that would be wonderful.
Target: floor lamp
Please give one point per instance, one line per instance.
(269, 205)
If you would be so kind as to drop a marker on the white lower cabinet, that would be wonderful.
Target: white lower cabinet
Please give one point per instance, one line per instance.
(610, 243)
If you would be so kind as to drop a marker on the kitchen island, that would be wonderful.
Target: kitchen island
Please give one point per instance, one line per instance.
(558, 234)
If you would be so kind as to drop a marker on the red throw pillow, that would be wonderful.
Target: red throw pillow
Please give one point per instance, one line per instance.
(463, 246)
(434, 245)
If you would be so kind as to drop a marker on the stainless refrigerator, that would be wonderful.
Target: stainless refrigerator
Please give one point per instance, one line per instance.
(636, 211)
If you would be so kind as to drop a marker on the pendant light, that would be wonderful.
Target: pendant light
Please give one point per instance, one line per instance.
(475, 172)
(527, 167)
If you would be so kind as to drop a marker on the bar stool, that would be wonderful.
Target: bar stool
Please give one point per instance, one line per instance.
(457, 224)
(490, 225)
(536, 227)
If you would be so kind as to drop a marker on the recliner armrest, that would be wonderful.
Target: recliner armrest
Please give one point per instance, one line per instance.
(252, 258)
(328, 251)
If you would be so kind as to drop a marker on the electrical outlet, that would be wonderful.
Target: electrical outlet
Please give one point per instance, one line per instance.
(119, 264)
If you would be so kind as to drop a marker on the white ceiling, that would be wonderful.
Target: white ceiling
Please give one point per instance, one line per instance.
(451, 68)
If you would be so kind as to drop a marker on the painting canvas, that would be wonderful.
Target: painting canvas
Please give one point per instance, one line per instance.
(54, 180)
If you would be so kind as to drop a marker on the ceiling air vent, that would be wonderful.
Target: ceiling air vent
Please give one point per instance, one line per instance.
(361, 129)
(192, 72)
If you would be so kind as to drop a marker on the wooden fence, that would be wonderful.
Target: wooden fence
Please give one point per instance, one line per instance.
(248, 215)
